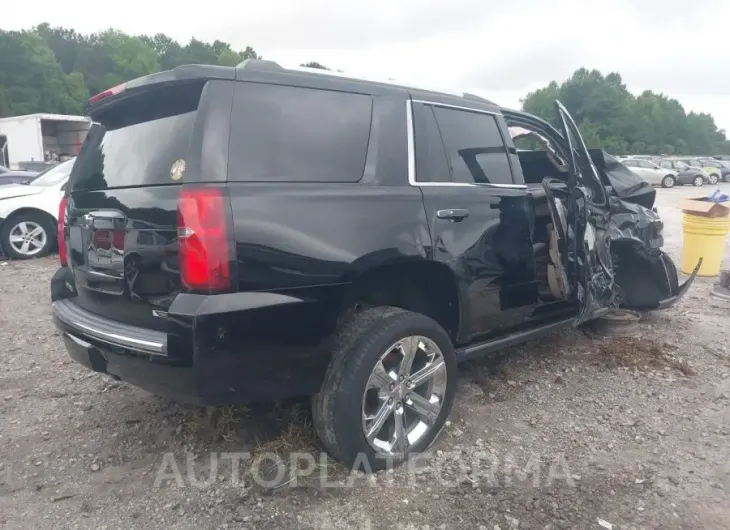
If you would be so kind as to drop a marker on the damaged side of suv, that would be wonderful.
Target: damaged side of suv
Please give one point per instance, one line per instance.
(607, 235)
(281, 233)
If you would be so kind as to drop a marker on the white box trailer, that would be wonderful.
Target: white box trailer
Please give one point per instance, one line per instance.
(41, 138)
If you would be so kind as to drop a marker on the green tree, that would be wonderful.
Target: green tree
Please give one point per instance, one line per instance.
(169, 52)
(90, 64)
(541, 102)
(612, 118)
(315, 64)
(131, 57)
(32, 80)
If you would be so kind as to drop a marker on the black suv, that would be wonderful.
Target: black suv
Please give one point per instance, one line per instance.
(255, 233)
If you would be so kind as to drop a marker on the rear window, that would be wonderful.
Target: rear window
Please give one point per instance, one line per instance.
(291, 134)
(474, 145)
(137, 140)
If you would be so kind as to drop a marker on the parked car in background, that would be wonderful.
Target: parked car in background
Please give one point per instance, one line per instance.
(9, 176)
(684, 173)
(726, 165)
(651, 172)
(652, 158)
(33, 165)
(713, 174)
(29, 213)
(722, 166)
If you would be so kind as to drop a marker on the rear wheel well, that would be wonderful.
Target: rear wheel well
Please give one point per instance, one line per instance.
(48, 218)
(425, 287)
(44, 217)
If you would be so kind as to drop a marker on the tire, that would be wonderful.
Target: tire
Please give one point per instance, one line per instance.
(668, 181)
(349, 402)
(714, 179)
(726, 178)
(698, 181)
(27, 236)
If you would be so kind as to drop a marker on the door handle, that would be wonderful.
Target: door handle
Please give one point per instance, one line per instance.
(453, 215)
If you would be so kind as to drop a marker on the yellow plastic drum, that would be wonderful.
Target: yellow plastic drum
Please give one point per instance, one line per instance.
(704, 237)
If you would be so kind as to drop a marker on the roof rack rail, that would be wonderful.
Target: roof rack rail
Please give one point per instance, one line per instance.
(266, 65)
(259, 64)
(474, 97)
(380, 80)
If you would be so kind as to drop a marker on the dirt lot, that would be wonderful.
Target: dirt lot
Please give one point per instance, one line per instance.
(558, 434)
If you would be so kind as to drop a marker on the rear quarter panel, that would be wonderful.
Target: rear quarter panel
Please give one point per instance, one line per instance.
(292, 236)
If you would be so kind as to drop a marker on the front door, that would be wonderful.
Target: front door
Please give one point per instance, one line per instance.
(481, 221)
(589, 260)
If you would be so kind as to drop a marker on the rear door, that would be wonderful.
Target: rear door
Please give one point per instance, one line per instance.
(651, 172)
(123, 194)
(481, 220)
(637, 167)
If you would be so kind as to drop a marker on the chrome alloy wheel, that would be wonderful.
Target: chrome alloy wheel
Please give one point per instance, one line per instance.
(404, 395)
(28, 238)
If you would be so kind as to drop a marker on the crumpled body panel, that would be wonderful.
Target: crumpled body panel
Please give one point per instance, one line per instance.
(643, 276)
(617, 255)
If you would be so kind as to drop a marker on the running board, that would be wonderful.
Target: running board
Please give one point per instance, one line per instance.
(490, 346)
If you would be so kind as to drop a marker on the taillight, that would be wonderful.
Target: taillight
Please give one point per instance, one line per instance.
(203, 241)
(62, 231)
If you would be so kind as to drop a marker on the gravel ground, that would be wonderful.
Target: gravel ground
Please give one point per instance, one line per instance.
(575, 431)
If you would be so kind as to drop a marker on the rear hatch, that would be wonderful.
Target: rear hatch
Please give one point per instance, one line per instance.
(122, 233)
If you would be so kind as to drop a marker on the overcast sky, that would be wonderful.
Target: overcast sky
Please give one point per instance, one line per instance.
(496, 48)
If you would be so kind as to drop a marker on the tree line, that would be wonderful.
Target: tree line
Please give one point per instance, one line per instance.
(612, 118)
(56, 70)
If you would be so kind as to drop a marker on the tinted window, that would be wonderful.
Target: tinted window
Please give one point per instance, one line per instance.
(281, 133)
(136, 141)
(431, 162)
(474, 145)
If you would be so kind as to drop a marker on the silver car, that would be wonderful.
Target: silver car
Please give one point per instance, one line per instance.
(651, 172)
(685, 174)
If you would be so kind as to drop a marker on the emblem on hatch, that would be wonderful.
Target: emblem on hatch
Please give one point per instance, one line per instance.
(178, 169)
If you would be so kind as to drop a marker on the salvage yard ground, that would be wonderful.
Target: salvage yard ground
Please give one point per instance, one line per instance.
(555, 434)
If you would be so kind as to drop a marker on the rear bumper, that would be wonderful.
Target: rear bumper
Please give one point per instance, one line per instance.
(174, 382)
(217, 350)
(79, 322)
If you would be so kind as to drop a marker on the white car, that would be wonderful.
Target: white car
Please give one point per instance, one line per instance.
(29, 213)
(651, 172)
